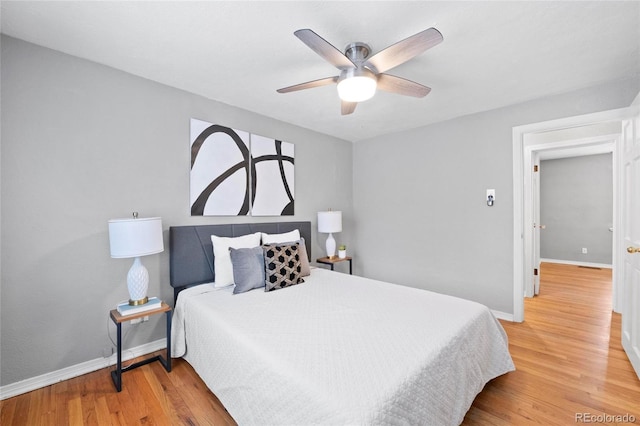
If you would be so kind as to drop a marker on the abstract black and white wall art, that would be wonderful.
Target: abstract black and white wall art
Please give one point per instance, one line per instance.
(234, 173)
(220, 168)
(273, 184)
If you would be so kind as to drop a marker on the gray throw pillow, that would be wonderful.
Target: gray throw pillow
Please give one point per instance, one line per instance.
(248, 268)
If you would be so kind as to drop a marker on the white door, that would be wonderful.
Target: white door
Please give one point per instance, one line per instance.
(535, 189)
(631, 229)
(531, 236)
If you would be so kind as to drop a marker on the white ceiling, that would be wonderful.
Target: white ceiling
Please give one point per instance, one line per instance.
(494, 53)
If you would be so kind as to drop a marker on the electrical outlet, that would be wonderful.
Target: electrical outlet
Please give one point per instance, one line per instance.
(584, 250)
(145, 319)
(135, 321)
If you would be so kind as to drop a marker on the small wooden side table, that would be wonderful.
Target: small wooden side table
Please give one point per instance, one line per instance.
(118, 319)
(331, 261)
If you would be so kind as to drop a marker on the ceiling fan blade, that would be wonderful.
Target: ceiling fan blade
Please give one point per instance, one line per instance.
(309, 85)
(404, 50)
(402, 86)
(347, 107)
(325, 49)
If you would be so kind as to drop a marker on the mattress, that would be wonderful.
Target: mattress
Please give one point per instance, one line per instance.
(340, 349)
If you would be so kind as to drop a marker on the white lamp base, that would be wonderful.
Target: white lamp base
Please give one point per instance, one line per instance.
(138, 283)
(331, 246)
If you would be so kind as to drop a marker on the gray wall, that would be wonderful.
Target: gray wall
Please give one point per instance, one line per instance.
(419, 197)
(83, 143)
(576, 205)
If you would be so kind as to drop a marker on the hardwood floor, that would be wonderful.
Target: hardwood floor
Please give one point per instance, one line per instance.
(567, 353)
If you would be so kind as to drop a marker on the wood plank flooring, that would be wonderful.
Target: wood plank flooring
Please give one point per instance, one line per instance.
(567, 353)
(149, 396)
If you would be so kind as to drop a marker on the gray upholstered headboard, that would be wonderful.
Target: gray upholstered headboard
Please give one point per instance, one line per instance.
(191, 251)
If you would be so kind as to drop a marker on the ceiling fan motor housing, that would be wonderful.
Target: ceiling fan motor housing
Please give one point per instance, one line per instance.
(357, 52)
(362, 82)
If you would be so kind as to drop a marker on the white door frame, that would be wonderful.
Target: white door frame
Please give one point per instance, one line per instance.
(522, 233)
(532, 209)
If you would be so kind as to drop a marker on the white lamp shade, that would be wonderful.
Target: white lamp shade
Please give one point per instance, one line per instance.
(135, 237)
(356, 89)
(329, 222)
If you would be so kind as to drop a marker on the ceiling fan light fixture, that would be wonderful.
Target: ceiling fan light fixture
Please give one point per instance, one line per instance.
(360, 72)
(356, 85)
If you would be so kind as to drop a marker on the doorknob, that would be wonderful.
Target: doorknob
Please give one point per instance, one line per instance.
(631, 249)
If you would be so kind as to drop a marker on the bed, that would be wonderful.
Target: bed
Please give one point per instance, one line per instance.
(335, 349)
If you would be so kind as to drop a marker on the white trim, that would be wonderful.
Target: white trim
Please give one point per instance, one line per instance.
(502, 315)
(612, 141)
(518, 222)
(577, 263)
(518, 133)
(67, 373)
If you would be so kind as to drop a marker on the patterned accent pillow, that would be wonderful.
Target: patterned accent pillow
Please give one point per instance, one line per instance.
(282, 266)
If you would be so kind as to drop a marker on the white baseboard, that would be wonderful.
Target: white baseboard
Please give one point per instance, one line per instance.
(502, 315)
(573, 262)
(67, 373)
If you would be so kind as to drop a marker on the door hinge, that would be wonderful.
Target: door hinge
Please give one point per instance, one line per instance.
(535, 168)
(535, 271)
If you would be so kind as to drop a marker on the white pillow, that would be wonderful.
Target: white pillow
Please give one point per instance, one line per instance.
(222, 259)
(281, 238)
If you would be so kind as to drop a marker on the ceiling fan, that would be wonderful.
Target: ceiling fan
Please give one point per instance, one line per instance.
(361, 73)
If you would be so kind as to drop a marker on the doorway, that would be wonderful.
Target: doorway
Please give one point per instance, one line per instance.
(583, 182)
(529, 141)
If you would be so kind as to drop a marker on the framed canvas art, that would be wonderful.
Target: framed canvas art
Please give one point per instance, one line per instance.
(234, 173)
(273, 177)
(220, 170)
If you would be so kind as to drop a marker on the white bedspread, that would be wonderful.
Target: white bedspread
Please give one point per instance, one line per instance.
(340, 349)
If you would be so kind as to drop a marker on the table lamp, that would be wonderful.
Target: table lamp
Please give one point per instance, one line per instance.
(330, 222)
(136, 238)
